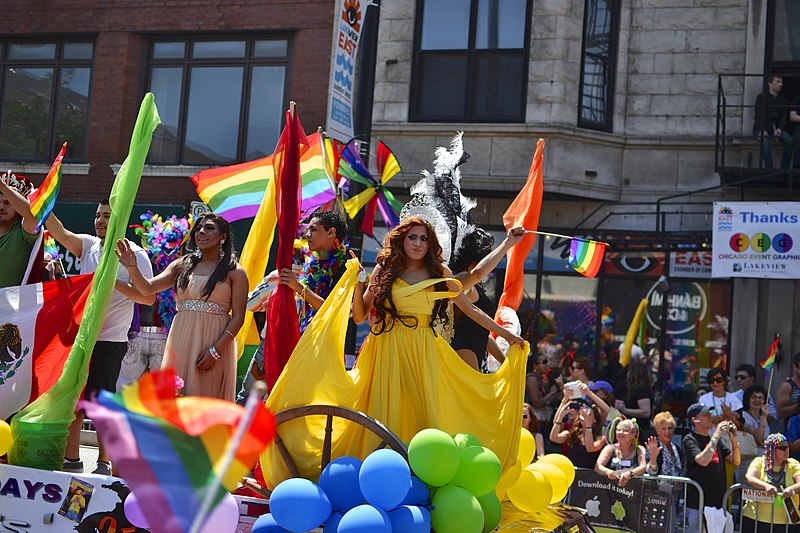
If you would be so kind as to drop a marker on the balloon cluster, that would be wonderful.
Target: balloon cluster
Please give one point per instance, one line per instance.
(396, 501)
(162, 240)
(532, 487)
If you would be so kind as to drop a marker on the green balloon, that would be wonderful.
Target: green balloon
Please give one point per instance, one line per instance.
(465, 440)
(456, 511)
(434, 457)
(492, 511)
(478, 471)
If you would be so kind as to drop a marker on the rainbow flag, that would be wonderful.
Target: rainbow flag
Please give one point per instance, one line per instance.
(586, 256)
(772, 354)
(169, 450)
(235, 192)
(43, 199)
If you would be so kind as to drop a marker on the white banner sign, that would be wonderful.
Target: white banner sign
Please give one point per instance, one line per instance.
(756, 240)
(347, 26)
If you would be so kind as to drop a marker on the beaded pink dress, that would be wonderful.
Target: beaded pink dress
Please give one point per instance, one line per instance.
(198, 324)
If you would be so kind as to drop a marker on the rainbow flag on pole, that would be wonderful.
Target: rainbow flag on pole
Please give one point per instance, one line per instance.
(235, 192)
(43, 199)
(586, 256)
(169, 450)
(772, 354)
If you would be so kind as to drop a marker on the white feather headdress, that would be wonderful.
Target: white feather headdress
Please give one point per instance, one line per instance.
(437, 198)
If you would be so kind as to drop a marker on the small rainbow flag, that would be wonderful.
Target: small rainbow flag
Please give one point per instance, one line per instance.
(170, 450)
(235, 192)
(586, 256)
(772, 354)
(43, 199)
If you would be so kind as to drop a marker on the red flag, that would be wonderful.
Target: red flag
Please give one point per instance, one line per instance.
(524, 211)
(39, 324)
(283, 329)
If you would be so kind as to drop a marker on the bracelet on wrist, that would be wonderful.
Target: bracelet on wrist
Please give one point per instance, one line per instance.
(231, 334)
(213, 351)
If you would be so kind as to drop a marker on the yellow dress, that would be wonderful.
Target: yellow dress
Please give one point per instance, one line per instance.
(407, 378)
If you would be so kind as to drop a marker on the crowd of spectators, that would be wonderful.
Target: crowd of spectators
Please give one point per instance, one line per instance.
(731, 436)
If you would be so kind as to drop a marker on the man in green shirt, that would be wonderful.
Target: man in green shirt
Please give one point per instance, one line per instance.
(17, 228)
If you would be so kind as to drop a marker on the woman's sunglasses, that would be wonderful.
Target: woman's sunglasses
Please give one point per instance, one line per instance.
(782, 448)
(717, 380)
(541, 362)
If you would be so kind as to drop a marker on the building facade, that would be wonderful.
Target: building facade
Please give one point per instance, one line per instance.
(628, 96)
(222, 74)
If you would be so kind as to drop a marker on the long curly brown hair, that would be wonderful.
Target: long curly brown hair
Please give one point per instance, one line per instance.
(393, 260)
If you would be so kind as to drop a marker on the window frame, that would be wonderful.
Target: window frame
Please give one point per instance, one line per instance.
(248, 63)
(613, 51)
(56, 64)
(472, 54)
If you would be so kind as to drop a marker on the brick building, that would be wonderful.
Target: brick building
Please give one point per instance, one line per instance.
(222, 73)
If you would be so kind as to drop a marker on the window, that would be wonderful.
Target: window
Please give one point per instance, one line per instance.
(471, 61)
(220, 100)
(598, 64)
(45, 98)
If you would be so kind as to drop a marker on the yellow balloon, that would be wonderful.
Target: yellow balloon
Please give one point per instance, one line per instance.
(531, 492)
(527, 447)
(561, 461)
(509, 477)
(5, 437)
(556, 477)
(501, 494)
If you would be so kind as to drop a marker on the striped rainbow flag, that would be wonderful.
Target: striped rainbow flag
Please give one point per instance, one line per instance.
(235, 192)
(586, 256)
(169, 450)
(43, 199)
(772, 354)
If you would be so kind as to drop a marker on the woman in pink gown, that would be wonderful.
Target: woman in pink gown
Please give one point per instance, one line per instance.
(211, 292)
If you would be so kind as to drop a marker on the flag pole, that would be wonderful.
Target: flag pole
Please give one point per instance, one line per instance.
(548, 234)
(769, 387)
(253, 399)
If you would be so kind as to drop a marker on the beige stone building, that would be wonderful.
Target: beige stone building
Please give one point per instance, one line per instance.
(627, 95)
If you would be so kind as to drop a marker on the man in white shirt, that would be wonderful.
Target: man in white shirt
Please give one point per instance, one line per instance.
(112, 341)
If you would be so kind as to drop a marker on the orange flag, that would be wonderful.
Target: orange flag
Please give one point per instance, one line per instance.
(524, 211)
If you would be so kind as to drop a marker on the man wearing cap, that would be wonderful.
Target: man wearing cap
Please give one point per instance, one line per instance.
(704, 460)
(17, 228)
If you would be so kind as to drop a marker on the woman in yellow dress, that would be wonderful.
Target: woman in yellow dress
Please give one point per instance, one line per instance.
(406, 376)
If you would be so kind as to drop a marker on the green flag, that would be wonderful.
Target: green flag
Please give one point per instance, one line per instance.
(40, 429)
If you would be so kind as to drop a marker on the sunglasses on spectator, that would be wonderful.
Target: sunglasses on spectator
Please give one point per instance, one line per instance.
(717, 380)
(741, 376)
(782, 448)
(541, 362)
(524, 417)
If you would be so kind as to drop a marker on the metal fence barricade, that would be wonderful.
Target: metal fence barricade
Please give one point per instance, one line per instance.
(647, 504)
(766, 514)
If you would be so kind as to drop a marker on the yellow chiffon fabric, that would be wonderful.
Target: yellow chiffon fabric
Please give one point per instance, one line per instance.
(408, 378)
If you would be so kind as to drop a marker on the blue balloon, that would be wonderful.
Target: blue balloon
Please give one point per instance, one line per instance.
(339, 480)
(365, 519)
(298, 505)
(410, 519)
(385, 479)
(266, 524)
(418, 494)
(332, 524)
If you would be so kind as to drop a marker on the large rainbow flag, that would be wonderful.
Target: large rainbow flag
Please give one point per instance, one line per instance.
(235, 192)
(43, 199)
(772, 353)
(170, 450)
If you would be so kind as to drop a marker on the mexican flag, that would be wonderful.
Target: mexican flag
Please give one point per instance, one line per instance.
(38, 324)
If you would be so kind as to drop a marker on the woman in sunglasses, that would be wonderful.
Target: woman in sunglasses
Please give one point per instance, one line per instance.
(724, 405)
(778, 475)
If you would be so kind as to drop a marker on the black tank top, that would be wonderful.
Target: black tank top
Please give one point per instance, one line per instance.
(469, 335)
